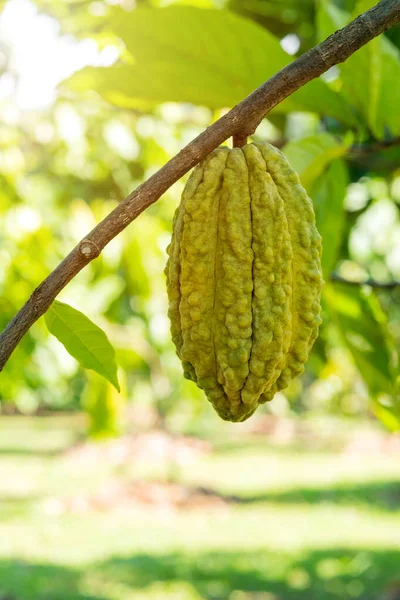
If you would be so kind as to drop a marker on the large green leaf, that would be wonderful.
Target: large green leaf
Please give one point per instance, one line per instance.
(363, 327)
(368, 78)
(368, 75)
(186, 54)
(84, 340)
(104, 406)
(316, 96)
(310, 156)
(208, 57)
(317, 160)
(329, 18)
(328, 195)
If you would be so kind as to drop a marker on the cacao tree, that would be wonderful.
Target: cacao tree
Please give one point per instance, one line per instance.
(339, 130)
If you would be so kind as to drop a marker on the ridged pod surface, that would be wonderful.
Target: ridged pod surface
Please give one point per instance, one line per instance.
(244, 277)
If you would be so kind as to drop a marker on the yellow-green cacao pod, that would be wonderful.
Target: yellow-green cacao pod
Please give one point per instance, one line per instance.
(244, 277)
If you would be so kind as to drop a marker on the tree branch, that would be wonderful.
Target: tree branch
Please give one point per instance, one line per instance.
(242, 120)
(367, 148)
(239, 140)
(371, 282)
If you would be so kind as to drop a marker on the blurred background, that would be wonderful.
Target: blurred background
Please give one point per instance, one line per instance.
(146, 494)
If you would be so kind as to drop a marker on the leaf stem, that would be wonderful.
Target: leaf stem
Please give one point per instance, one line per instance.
(239, 140)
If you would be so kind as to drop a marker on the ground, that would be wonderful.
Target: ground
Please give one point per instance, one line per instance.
(283, 512)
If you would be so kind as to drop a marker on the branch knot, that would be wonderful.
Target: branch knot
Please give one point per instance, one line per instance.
(89, 249)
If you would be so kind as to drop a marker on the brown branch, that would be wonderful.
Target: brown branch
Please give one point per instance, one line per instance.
(239, 140)
(243, 118)
(370, 147)
(371, 282)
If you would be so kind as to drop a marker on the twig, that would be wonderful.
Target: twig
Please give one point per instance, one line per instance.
(239, 140)
(370, 147)
(242, 120)
(371, 282)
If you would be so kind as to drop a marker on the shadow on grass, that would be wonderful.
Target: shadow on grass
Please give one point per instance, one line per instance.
(384, 495)
(21, 580)
(319, 575)
(220, 575)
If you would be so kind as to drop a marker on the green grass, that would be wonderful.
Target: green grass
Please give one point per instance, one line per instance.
(310, 522)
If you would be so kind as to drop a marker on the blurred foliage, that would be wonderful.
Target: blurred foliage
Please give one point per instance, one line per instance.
(281, 17)
(105, 407)
(150, 76)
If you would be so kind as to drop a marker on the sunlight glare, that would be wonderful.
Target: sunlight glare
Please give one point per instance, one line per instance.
(40, 57)
(290, 43)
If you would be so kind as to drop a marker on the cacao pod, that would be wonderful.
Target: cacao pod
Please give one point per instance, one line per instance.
(244, 277)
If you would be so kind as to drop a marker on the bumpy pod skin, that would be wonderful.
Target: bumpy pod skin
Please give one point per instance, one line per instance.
(306, 266)
(243, 277)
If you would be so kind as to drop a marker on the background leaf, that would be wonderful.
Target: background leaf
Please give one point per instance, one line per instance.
(230, 58)
(84, 340)
(329, 18)
(368, 74)
(328, 195)
(363, 327)
(104, 406)
(310, 156)
(186, 54)
(317, 96)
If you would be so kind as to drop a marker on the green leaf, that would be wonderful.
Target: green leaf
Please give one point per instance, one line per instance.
(390, 419)
(230, 58)
(316, 96)
(368, 74)
(186, 54)
(104, 407)
(363, 327)
(328, 195)
(366, 77)
(329, 19)
(84, 340)
(310, 156)
(388, 114)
